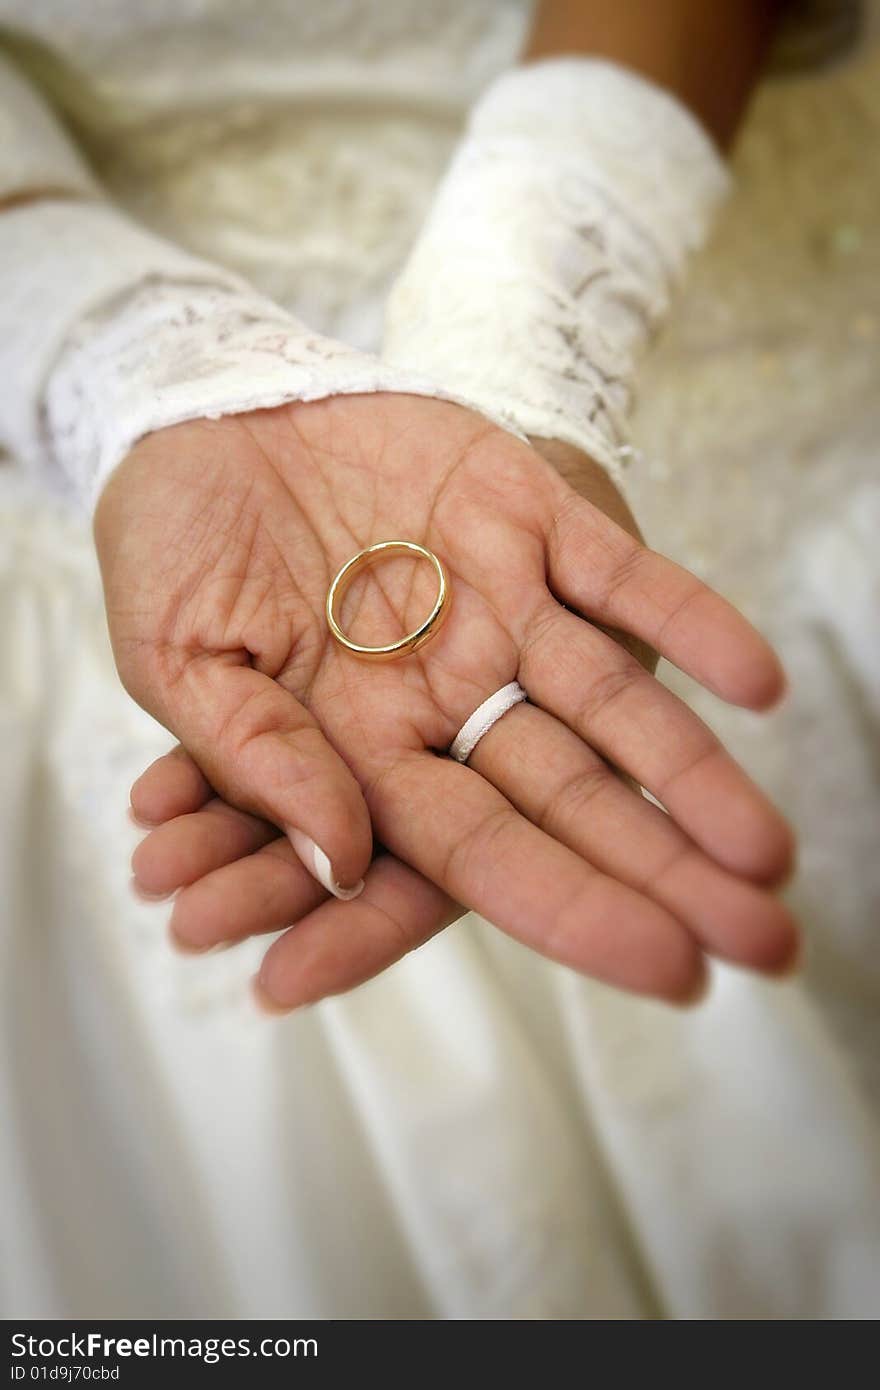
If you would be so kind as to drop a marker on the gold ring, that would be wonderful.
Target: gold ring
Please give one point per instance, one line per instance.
(413, 640)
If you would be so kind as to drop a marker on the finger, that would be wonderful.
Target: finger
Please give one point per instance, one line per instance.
(608, 575)
(260, 892)
(189, 846)
(459, 831)
(339, 946)
(575, 672)
(270, 889)
(171, 786)
(567, 790)
(264, 752)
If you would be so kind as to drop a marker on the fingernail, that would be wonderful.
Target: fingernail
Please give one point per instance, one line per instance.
(264, 1001)
(319, 866)
(146, 896)
(139, 822)
(190, 948)
(186, 948)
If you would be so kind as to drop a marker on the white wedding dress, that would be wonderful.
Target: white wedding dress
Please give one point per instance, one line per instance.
(477, 1133)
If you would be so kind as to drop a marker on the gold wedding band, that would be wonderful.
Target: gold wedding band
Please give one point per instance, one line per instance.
(413, 640)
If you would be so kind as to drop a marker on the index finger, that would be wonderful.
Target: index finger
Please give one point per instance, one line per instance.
(607, 575)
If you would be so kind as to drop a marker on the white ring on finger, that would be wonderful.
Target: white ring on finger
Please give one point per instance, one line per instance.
(482, 719)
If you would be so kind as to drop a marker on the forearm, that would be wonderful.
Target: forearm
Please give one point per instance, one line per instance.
(709, 55)
(587, 178)
(554, 247)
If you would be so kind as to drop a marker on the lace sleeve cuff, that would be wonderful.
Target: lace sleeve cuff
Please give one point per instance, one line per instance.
(107, 332)
(552, 248)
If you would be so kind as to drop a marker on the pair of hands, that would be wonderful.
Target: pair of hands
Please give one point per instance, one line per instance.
(217, 543)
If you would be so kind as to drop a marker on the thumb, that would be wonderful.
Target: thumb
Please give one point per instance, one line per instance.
(264, 752)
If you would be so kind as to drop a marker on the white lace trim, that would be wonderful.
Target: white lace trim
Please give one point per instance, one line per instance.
(552, 248)
(170, 351)
(547, 260)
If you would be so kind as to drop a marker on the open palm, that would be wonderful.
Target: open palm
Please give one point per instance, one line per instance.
(218, 541)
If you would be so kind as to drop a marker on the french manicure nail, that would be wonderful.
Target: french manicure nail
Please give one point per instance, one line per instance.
(319, 866)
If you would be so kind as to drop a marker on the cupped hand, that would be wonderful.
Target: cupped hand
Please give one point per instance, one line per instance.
(217, 542)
